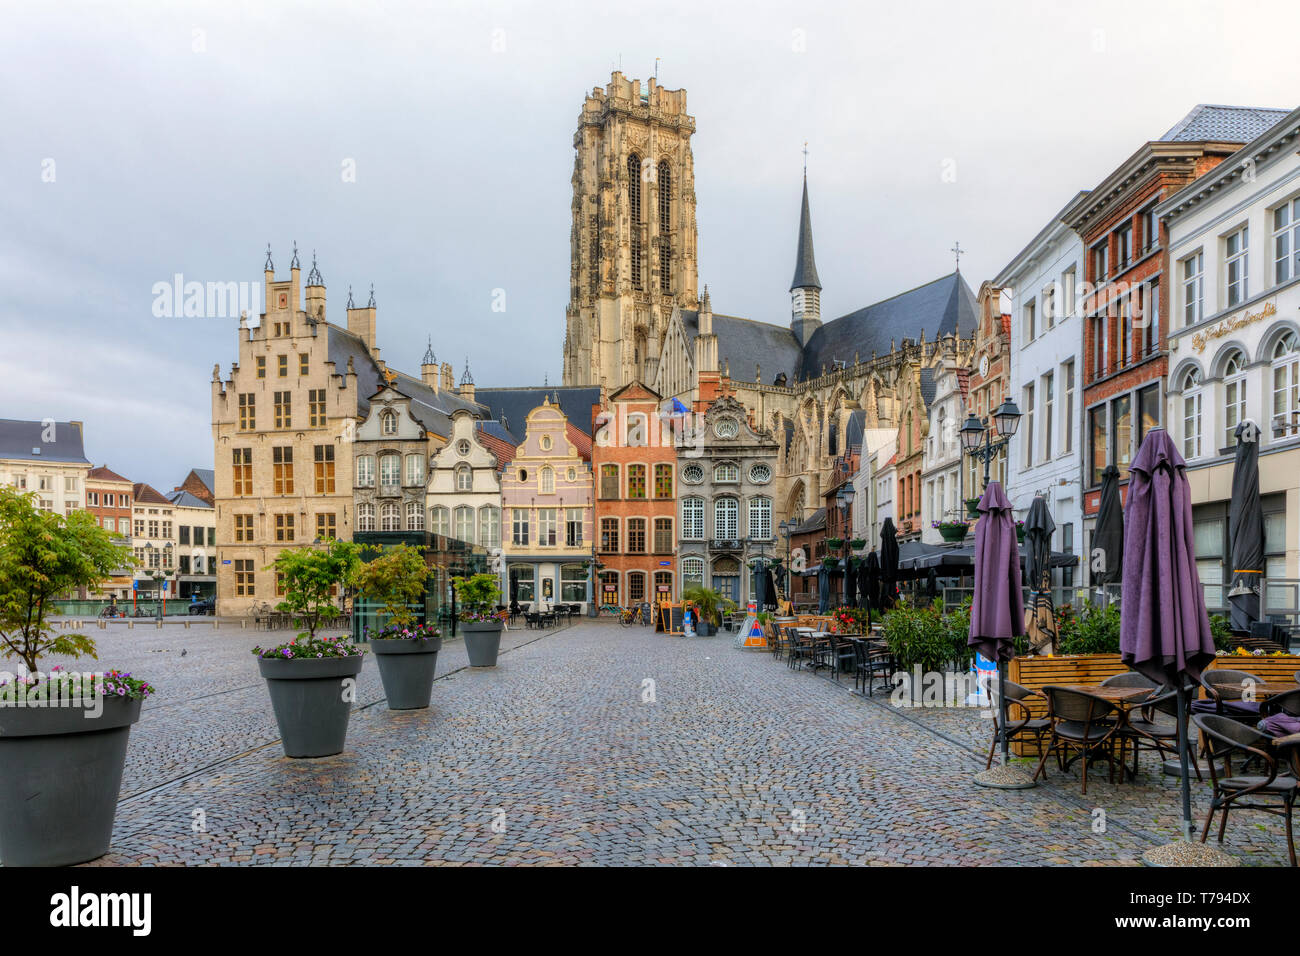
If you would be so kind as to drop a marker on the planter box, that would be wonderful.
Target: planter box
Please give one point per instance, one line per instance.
(60, 777)
(311, 709)
(406, 668)
(482, 643)
(1037, 672)
(953, 534)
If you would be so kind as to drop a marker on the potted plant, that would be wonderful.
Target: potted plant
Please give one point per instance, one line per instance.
(480, 621)
(834, 543)
(972, 507)
(312, 679)
(63, 736)
(830, 564)
(1020, 531)
(405, 650)
(951, 530)
(857, 544)
(706, 602)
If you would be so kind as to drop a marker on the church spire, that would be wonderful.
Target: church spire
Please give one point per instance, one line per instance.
(806, 287)
(805, 264)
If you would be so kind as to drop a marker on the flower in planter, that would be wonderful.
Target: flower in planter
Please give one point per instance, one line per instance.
(399, 632)
(312, 647)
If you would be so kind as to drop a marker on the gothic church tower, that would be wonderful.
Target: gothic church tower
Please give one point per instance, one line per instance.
(633, 240)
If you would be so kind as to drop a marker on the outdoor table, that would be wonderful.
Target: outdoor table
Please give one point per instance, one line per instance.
(1125, 700)
(1264, 689)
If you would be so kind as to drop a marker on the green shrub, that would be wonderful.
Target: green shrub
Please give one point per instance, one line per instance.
(926, 637)
(1094, 630)
(1221, 630)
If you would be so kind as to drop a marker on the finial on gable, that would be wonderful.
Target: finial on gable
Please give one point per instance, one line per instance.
(293, 263)
(371, 303)
(270, 266)
(350, 305)
(429, 357)
(314, 277)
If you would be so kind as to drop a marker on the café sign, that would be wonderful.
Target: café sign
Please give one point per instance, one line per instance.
(1228, 326)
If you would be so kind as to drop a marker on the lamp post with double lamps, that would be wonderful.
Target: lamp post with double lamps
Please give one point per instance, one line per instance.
(976, 437)
(844, 498)
(786, 527)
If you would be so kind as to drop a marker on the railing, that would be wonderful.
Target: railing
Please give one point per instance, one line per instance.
(1075, 597)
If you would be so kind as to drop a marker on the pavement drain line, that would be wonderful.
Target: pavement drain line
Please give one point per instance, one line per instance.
(1065, 796)
(230, 758)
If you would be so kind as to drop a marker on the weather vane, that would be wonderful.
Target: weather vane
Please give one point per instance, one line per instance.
(957, 250)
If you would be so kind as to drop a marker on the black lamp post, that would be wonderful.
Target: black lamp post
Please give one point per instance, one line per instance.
(977, 440)
(844, 498)
(786, 527)
(593, 606)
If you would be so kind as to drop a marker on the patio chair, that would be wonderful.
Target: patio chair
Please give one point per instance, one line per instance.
(1225, 737)
(1020, 721)
(1287, 703)
(1226, 688)
(1081, 722)
(1129, 679)
(871, 659)
(1155, 722)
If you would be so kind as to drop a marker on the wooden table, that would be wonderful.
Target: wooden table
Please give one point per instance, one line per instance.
(1125, 698)
(1264, 689)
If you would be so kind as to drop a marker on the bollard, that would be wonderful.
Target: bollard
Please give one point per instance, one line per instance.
(130, 625)
(215, 624)
(187, 625)
(157, 625)
(243, 624)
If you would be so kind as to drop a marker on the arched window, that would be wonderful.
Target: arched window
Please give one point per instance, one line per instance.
(692, 571)
(365, 517)
(1286, 384)
(464, 478)
(390, 470)
(635, 587)
(414, 516)
(489, 526)
(726, 515)
(634, 208)
(388, 423)
(440, 521)
(390, 518)
(1234, 395)
(726, 472)
(665, 227)
(464, 528)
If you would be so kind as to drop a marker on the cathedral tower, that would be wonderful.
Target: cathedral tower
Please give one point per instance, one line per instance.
(805, 287)
(632, 243)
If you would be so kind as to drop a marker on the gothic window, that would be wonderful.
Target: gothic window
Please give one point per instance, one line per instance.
(665, 225)
(594, 270)
(634, 207)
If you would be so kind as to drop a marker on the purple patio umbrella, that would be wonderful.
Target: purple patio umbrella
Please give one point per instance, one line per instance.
(1164, 630)
(997, 612)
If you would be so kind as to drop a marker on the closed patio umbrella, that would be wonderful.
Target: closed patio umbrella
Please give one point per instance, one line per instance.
(1246, 529)
(1039, 528)
(888, 563)
(760, 586)
(823, 589)
(1164, 629)
(997, 614)
(1108, 536)
(769, 588)
(870, 581)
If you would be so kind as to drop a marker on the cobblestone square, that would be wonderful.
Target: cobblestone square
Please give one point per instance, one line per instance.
(596, 744)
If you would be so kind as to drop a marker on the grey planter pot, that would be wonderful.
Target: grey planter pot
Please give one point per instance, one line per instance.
(60, 777)
(482, 643)
(406, 667)
(307, 696)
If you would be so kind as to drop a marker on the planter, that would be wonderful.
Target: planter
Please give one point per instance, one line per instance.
(482, 643)
(953, 533)
(972, 507)
(406, 668)
(1020, 535)
(308, 698)
(60, 777)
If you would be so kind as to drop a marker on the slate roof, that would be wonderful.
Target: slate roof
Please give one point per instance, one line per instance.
(22, 440)
(104, 473)
(184, 499)
(816, 522)
(744, 344)
(805, 265)
(943, 306)
(207, 476)
(510, 406)
(853, 431)
(431, 408)
(928, 386)
(1223, 124)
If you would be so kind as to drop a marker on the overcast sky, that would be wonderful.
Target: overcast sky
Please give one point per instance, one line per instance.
(143, 140)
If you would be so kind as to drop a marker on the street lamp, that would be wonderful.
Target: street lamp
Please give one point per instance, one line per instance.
(977, 441)
(787, 528)
(593, 605)
(844, 498)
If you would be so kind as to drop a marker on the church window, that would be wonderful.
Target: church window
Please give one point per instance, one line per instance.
(634, 207)
(665, 225)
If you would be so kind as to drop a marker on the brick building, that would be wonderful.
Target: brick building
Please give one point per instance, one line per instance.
(108, 499)
(634, 460)
(1124, 299)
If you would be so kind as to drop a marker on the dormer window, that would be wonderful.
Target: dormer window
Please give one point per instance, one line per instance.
(388, 423)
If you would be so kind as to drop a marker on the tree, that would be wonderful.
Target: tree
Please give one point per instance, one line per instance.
(396, 579)
(308, 575)
(44, 555)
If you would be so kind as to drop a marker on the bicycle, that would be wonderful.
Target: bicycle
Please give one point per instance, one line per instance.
(611, 609)
(629, 616)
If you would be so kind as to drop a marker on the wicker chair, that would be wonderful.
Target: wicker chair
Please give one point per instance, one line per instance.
(1226, 688)
(1129, 679)
(1145, 726)
(1081, 722)
(1287, 703)
(1225, 737)
(1024, 724)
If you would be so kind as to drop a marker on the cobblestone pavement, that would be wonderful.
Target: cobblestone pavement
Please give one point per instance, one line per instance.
(565, 754)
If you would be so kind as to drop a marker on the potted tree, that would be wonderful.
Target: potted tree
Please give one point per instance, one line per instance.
(63, 736)
(312, 679)
(478, 596)
(706, 602)
(406, 651)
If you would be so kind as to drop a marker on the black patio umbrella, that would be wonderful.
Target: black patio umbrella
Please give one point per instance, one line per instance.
(888, 563)
(871, 582)
(823, 589)
(769, 588)
(1108, 536)
(759, 583)
(1039, 528)
(1246, 529)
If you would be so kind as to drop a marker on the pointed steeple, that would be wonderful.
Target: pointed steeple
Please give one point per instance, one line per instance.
(805, 264)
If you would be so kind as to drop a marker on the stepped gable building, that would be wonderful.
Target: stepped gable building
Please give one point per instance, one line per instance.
(284, 428)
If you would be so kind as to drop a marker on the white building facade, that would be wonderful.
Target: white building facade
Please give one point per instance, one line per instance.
(1234, 347)
(1043, 285)
(941, 471)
